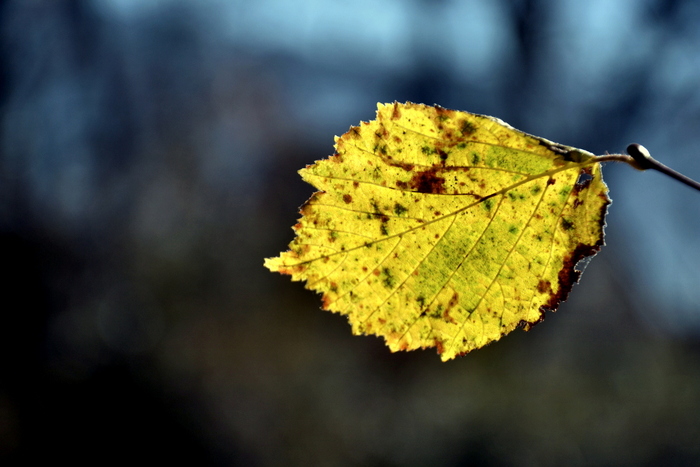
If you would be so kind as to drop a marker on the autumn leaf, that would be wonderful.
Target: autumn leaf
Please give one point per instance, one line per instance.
(439, 228)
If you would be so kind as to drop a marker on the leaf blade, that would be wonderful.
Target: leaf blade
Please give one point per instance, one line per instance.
(442, 228)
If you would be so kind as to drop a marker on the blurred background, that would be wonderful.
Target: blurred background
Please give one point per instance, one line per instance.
(148, 158)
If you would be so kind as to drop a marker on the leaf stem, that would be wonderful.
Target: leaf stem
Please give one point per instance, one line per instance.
(640, 159)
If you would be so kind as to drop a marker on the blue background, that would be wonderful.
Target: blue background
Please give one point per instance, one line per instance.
(148, 164)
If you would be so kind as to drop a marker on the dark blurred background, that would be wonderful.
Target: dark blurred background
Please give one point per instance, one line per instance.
(148, 164)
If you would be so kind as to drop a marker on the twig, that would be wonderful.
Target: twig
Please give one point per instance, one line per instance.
(640, 159)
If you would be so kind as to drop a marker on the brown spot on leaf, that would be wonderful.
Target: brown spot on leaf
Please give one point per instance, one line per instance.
(526, 325)
(443, 113)
(568, 275)
(566, 224)
(439, 346)
(403, 165)
(396, 114)
(584, 175)
(427, 181)
(326, 301)
(347, 198)
(466, 127)
(451, 304)
(307, 207)
(382, 132)
(289, 270)
(544, 286)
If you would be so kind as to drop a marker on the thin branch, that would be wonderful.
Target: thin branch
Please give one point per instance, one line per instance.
(640, 159)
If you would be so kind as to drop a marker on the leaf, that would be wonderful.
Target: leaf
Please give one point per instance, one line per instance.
(439, 228)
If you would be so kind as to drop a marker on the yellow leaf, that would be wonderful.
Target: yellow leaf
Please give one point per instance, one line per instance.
(439, 228)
